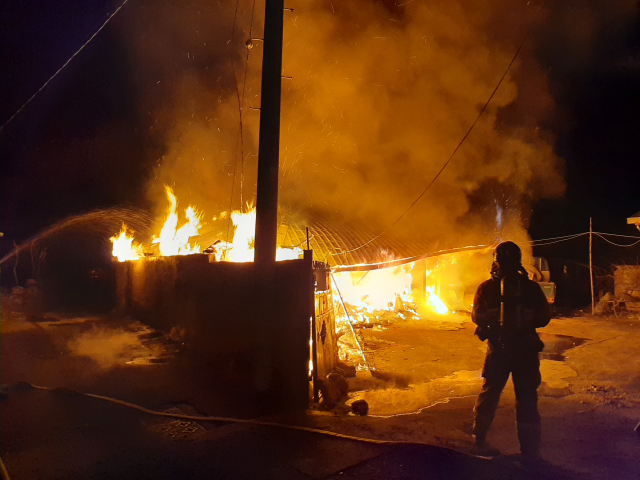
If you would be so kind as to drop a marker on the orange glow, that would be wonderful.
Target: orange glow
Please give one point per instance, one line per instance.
(180, 241)
(241, 248)
(173, 241)
(123, 247)
(388, 289)
(375, 289)
(435, 302)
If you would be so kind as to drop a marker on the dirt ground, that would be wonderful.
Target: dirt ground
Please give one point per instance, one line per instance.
(425, 379)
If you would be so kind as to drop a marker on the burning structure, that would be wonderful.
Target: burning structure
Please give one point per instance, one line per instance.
(210, 296)
(359, 141)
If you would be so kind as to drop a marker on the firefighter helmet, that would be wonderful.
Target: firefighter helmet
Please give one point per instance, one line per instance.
(508, 254)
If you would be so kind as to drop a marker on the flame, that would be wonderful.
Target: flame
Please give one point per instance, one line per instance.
(176, 242)
(375, 289)
(435, 302)
(241, 249)
(388, 289)
(123, 247)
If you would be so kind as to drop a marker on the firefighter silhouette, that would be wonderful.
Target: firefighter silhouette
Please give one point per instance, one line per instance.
(507, 310)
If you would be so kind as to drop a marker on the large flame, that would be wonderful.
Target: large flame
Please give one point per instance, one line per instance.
(385, 289)
(178, 241)
(123, 247)
(174, 241)
(242, 247)
(375, 289)
(376, 298)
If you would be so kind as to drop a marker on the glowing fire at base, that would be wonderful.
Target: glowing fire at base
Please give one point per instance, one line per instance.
(375, 299)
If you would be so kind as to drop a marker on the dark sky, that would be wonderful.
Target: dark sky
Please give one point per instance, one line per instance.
(84, 142)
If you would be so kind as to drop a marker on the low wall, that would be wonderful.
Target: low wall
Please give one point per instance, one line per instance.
(256, 330)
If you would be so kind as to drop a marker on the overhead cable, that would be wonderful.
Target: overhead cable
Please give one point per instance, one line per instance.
(616, 235)
(568, 237)
(63, 66)
(617, 244)
(537, 243)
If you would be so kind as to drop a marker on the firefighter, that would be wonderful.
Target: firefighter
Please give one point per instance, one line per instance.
(507, 310)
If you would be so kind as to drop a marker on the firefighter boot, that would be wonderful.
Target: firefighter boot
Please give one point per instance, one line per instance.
(529, 436)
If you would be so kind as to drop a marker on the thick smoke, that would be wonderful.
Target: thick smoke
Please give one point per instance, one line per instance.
(379, 98)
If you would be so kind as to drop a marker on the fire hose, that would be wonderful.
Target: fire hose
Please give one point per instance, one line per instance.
(197, 418)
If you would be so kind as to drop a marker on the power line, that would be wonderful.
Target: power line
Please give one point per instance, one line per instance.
(616, 235)
(63, 66)
(541, 242)
(616, 244)
(549, 241)
(463, 138)
(559, 238)
(557, 241)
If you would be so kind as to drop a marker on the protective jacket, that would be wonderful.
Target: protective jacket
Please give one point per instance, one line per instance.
(508, 308)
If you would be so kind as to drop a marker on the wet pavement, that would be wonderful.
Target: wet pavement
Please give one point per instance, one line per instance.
(556, 345)
(426, 380)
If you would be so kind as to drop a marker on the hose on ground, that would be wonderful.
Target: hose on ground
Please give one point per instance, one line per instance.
(261, 423)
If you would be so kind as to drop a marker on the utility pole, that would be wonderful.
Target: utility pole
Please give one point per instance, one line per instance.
(593, 298)
(267, 194)
(269, 139)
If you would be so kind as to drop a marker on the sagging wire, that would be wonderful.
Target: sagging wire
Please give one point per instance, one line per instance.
(542, 242)
(350, 324)
(549, 241)
(635, 237)
(616, 244)
(63, 66)
(461, 141)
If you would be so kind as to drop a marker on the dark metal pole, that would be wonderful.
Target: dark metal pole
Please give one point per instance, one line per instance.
(269, 139)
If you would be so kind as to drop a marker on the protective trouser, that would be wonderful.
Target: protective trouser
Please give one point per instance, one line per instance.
(524, 366)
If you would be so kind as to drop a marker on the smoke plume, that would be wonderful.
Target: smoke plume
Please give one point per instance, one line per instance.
(381, 94)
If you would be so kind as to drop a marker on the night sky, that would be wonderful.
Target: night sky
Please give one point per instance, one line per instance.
(84, 142)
